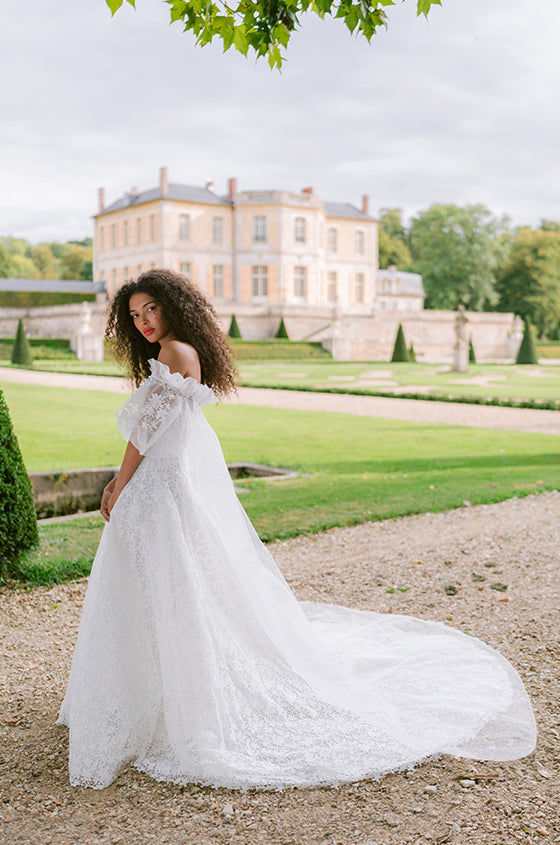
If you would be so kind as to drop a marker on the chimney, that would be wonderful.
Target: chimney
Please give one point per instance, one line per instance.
(232, 188)
(308, 191)
(209, 184)
(163, 183)
(101, 194)
(365, 204)
(134, 191)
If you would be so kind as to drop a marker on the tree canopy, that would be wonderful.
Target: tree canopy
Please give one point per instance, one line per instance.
(459, 250)
(21, 260)
(529, 283)
(393, 239)
(265, 26)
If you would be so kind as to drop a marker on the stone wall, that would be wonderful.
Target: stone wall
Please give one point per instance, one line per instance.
(52, 320)
(354, 336)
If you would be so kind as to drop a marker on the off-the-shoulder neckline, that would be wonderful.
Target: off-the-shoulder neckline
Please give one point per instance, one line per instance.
(153, 361)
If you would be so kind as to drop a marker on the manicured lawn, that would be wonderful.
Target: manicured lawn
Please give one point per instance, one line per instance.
(487, 381)
(483, 380)
(352, 469)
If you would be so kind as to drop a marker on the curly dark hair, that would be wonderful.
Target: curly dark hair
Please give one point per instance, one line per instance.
(192, 319)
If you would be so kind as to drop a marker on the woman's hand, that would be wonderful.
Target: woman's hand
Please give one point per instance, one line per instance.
(106, 507)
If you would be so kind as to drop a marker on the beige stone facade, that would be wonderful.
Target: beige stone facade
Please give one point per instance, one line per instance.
(248, 247)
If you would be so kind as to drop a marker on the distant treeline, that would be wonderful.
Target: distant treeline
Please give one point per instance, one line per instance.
(21, 260)
(467, 255)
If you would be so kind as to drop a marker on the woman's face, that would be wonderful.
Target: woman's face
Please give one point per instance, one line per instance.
(148, 318)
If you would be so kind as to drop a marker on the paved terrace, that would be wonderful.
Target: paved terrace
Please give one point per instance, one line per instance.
(415, 410)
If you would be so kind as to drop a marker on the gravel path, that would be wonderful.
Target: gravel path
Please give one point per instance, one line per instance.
(416, 410)
(502, 561)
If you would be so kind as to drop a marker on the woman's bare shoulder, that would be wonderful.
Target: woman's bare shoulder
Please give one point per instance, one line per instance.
(181, 358)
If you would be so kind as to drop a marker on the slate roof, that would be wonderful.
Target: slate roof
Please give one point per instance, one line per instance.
(187, 193)
(51, 286)
(345, 209)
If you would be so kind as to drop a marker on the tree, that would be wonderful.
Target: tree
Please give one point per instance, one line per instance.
(472, 354)
(282, 330)
(392, 238)
(234, 330)
(400, 352)
(265, 26)
(21, 352)
(529, 284)
(527, 354)
(18, 522)
(459, 251)
(5, 262)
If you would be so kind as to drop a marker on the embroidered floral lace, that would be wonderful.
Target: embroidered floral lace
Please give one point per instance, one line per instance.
(195, 662)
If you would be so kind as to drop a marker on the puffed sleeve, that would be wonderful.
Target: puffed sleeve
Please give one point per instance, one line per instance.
(156, 405)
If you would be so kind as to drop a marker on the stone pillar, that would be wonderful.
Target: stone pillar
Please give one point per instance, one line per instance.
(461, 348)
(88, 345)
(515, 337)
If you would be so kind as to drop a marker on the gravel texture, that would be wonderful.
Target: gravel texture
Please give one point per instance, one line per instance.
(490, 570)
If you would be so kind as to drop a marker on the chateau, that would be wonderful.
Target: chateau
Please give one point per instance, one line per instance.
(262, 248)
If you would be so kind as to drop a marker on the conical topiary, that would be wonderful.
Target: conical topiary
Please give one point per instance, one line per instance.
(472, 356)
(527, 353)
(21, 353)
(282, 330)
(18, 523)
(234, 330)
(411, 353)
(400, 352)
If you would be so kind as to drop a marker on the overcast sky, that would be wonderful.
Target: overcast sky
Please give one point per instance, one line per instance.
(461, 108)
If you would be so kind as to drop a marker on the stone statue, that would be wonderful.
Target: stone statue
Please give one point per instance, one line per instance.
(461, 348)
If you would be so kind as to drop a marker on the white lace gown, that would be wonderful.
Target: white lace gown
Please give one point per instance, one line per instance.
(195, 662)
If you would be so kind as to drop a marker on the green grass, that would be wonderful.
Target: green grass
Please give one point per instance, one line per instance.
(484, 381)
(352, 469)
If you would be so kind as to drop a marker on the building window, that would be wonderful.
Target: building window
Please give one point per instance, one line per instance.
(259, 229)
(219, 281)
(101, 239)
(152, 227)
(184, 227)
(186, 268)
(300, 282)
(138, 230)
(359, 242)
(359, 290)
(125, 232)
(114, 279)
(217, 230)
(332, 240)
(331, 287)
(299, 230)
(113, 236)
(259, 281)
(126, 274)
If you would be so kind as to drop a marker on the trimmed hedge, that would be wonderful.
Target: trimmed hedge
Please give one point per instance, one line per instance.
(18, 523)
(21, 351)
(282, 330)
(527, 353)
(234, 330)
(535, 404)
(274, 348)
(42, 348)
(41, 299)
(400, 352)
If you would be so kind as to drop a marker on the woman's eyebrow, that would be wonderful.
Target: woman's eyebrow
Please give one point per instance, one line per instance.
(149, 302)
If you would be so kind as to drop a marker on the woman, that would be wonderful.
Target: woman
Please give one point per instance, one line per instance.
(195, 662)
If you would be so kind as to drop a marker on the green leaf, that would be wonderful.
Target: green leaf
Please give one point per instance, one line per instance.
(424, 6)
(114, 5)
(240, 40)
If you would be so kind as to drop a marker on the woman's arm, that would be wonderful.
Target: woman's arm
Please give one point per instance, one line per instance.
(131, 461)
